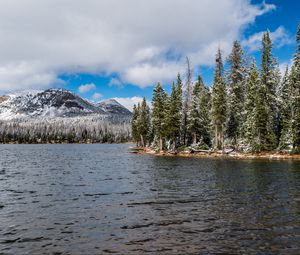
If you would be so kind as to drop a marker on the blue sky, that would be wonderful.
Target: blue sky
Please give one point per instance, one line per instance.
(107, 49)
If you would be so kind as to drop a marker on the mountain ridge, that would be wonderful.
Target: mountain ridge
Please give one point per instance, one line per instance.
(53, 103)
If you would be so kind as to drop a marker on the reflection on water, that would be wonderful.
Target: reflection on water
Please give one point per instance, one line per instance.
(98, 199)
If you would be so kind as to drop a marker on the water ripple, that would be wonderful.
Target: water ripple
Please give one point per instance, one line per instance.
(99, 199)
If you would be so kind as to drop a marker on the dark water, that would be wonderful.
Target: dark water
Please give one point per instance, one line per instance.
(98, 199)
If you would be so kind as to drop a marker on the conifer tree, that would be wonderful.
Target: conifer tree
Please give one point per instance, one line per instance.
(236, 93)
(194, 118)
(219, 103)
(285, 111)
(260, 121)
(205, 106)
(179, 86)
(134, 124)
(295, 83)
(173, 113)
(198, 118)
(159, 101)
(268, 80)
(250, 104)
(143, 122)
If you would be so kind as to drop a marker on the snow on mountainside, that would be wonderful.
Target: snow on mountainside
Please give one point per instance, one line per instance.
(114, 107)
(54, 103)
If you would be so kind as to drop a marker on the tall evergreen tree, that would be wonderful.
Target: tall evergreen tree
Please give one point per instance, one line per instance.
(194, 118)
(285, 112)
(143, 122)
(198, 119)
(173, 114)
(134, 124)
(205, 106)
(179, 90)
(159, 101)
(260, 138)
(250, 104)
(219, 102)
(236, 93)
(269, 81)
(295, 83)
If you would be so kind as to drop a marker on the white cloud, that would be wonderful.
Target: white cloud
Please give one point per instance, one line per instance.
(96, 96)
(20, 76)
(86, 87)
(115, 82)
(146, 74)
(279, 38)
(41, 39)
(128, 102)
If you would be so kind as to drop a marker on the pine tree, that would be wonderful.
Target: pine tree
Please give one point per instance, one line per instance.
(295, 83)
(159, 101)
(198, 119)
(285, 111)
(134, 124)
(205, 106)
(194, 118)
(143, 122)
(179, 86)
(269, 81)
(260, 121)
(236, 93)
(173, 113)
(250, 104)
(219, 102)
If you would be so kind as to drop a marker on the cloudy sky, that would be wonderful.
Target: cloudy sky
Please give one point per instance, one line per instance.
(118, 49)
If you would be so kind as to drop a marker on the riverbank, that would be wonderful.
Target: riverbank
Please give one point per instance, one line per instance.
(270, 155)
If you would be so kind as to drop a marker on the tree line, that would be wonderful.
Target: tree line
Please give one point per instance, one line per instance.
(249, 108)
(83, 129)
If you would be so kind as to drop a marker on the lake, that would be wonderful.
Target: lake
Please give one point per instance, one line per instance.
(100, 199)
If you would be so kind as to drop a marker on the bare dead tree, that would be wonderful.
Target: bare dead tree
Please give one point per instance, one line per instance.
(187, 99)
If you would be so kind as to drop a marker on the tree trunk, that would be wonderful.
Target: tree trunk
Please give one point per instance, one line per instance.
(216, 137)
(194, 138)
(160, 143)
(222, 140)
(174, 144)
(142, 141)
(219, 138)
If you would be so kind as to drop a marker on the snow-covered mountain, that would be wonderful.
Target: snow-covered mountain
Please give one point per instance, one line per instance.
(55, 103)
(114, 107)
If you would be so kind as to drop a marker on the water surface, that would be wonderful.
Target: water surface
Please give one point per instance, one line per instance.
(100, 199)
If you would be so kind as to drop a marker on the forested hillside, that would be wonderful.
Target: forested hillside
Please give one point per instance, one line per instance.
(250, 108)
(59, 116)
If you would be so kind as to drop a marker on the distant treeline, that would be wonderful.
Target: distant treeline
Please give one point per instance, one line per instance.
(65, 130)
(247, 108)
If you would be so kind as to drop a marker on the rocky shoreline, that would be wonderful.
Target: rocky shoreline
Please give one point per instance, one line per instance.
(269, 155)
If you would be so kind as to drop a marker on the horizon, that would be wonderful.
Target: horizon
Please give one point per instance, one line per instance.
(98, 67)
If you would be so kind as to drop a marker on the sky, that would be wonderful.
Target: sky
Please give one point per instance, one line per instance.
(102, 49)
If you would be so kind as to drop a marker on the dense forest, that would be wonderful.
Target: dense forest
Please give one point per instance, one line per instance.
(248, 108)
(84, 129)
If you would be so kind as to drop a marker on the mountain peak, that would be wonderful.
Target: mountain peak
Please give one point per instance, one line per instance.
(110, 101)
(114, 107)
